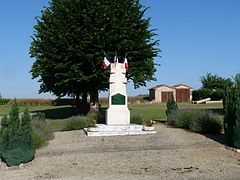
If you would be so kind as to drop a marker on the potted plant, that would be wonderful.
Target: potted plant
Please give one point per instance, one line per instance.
(148, 125)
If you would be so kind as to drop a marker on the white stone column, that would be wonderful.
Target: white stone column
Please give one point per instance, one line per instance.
(118, 112)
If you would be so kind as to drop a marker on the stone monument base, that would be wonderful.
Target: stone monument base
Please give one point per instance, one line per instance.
(117, 130)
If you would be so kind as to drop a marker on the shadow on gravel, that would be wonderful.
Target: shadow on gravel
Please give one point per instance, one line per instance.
(220, 138)
(58, 113)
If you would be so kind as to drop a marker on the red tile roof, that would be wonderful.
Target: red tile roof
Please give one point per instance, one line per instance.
(172, 87)
(161, 85)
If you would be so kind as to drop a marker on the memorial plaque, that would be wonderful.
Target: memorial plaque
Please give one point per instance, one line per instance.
(118, 99)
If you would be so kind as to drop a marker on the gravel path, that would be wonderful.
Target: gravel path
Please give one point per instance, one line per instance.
(170, 154)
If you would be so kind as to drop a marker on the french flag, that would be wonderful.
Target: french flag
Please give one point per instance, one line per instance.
(126, 63)
(106, 63)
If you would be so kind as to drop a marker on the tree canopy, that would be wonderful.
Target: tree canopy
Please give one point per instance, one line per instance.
(213, 81)
(71, 37)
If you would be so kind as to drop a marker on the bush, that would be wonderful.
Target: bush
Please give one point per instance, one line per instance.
(232, 116)
(42, 132)
(16, 138)
(75, 123)
(171, 106)
(181, 118)
(14, 157)
(196, 120)
(137, 118)
(206, 122)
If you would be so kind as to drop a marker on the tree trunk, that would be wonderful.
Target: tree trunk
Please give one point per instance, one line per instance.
(84, 98)
(94, 105)
(78, 103)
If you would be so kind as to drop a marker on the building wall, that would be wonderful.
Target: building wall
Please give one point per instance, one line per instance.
(158, 93)
(183, 95)
(151, 94)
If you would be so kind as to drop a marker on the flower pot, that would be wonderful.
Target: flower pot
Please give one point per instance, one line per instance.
(148, 128)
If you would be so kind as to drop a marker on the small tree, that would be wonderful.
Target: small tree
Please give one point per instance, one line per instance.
(4, 134)
(229, 115)
(236, 138)
(232, 116)
(26, 129)
(16, 138)
(171, 106)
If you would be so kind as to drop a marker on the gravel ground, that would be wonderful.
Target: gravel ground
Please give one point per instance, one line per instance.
(169, 154)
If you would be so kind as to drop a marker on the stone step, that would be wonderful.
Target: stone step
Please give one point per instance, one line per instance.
(116, 128)
(118, 133)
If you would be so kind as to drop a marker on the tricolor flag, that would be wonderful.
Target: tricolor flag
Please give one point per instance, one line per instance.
(126, 63)
(106, 63)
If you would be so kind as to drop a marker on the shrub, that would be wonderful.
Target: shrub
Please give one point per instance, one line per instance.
(236, 138)
(206, 122)
(137, 118)
(75, 123)
(232, 116)
(91, 119)
(182, 118)
(14, 157)
(212, 124)
(171, 106)
(42, 132)
(196, 120)
(16, 138)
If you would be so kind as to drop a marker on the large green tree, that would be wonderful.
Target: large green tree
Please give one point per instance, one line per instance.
(213, 81)
(71, 37)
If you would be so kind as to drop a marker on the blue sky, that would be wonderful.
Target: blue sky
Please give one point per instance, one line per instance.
(196, 37)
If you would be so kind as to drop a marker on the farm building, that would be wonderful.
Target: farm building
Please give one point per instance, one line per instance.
(162, 93)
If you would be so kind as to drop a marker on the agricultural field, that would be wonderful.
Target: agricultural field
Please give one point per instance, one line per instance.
(56, 115)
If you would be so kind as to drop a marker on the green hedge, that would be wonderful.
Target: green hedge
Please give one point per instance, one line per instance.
(208, 93)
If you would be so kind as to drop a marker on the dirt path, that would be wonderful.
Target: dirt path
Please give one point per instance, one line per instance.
(169, 154)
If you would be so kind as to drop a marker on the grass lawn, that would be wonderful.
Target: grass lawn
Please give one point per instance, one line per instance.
(158, 111)
(56, 115)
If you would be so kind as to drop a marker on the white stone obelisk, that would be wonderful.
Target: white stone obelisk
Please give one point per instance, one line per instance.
(118, 112)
